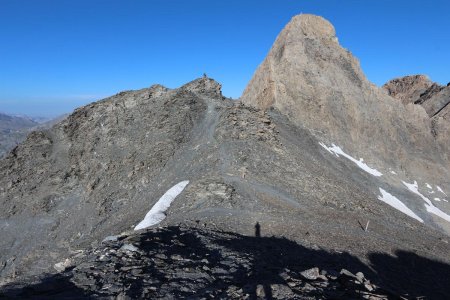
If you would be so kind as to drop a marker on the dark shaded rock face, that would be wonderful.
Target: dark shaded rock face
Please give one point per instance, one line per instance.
(99, 171)
(180, 262)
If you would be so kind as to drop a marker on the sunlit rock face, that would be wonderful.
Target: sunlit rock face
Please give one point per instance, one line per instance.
(319, 85)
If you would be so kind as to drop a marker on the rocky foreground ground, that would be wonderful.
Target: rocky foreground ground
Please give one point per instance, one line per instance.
(181, 262)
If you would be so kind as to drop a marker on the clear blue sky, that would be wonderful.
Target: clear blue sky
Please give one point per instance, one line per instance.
(56, 55)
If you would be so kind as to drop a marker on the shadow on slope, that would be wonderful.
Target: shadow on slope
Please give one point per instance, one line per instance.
(180, 262)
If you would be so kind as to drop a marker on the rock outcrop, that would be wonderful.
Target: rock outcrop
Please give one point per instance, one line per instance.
(433, 97)
(319, 85)
(412, 89)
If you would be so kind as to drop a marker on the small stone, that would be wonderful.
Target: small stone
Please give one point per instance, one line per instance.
(260, 291)
(129, 247)
(310, 274)
(136, 272)
(161, 256)
(111, 238)
(61, 266)
(291, 283)
(368, 287)
(360, 276)
(347, 273)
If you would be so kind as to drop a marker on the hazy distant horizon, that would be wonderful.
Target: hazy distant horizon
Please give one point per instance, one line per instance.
(57, 56)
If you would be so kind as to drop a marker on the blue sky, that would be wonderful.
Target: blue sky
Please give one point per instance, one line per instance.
(56, 55)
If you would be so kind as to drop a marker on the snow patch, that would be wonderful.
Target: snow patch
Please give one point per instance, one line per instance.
(157, 213)
(440, 190)
(336, 150)
(393, 172)
(429, 186)
(434, 210)
(397, 204)
(413, 187)
(437, 199)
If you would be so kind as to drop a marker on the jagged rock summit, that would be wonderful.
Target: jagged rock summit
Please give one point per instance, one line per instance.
(411, 89)
(318, 84)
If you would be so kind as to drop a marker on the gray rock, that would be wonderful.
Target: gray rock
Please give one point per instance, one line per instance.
(311, 274)
(360, 277)
(260, 291)
(111, 238)
(129, 247)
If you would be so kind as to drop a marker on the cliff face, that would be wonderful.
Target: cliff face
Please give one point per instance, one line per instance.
(318, 84)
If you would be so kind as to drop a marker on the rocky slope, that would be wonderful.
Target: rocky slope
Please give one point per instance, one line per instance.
(266, 162)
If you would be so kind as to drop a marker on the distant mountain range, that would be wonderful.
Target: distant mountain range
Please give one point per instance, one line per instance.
(14, 129)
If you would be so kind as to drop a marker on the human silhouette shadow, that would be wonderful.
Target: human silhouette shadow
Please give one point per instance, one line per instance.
(220, 261)
(257, 230)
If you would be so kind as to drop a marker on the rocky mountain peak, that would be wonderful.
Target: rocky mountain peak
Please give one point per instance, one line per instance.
(204, 85)
(311, 26)
(319, 85)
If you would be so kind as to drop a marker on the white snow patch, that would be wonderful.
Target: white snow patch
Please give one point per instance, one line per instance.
(440, 190)
(413, 187)
(336, 150)
(445, 200)
(437, 199)
(397, 204)
(393, 172)
(434, 210)
(429, 186)
(157, 213)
